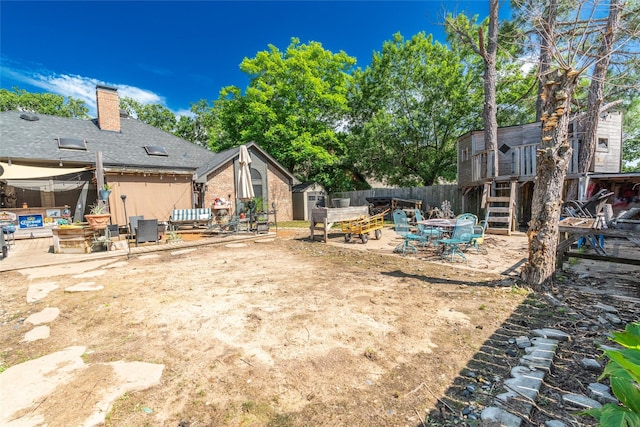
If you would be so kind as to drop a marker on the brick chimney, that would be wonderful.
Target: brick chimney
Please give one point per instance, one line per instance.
(108, 106)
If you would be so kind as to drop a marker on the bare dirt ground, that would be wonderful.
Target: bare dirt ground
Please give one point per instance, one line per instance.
(288, 332)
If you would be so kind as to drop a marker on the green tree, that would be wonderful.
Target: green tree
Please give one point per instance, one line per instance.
(294, 107)
(408, 108)
(631, 137)
(43, 103)
(155, 115)
(572, 47)
(515, 88)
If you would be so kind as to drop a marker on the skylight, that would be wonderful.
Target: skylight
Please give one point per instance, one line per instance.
(72, 143)
(156, 150)
(29, 117)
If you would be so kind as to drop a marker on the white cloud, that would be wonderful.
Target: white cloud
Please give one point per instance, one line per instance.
(78, 87)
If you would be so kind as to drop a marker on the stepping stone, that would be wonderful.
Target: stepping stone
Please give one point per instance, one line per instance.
(236, 245)
(605, 307)
(552, 334)
(88, 274)
(498, 415)
(84, 287)
(37, 333)
(47, 315)
(40, 290)
(115, 265)
(183, 251)
(601, 393)
(579, 401)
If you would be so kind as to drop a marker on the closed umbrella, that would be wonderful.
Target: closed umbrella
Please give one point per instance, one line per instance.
(244, 189)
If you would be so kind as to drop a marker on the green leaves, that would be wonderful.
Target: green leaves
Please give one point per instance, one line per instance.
(408, 108)
(43, 103)
(623, 371)
(294, 108)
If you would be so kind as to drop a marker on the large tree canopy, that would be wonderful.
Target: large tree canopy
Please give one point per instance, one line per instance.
(294, 108)
(408, 108)
(43, 103)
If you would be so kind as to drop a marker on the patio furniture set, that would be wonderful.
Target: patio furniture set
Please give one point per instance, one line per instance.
(450, 237)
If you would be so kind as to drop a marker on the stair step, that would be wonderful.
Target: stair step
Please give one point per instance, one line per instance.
(493, 199)
(499, 209)
(500, 219)
(502, 231)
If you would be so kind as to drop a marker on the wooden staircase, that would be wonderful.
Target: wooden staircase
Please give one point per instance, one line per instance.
(500, 201)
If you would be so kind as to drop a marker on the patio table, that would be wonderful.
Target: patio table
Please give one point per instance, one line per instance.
(444, 225)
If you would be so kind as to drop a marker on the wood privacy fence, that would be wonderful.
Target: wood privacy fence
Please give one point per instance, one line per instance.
(432, 197)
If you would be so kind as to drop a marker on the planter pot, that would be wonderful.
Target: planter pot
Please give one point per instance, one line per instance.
(104, 194)
(341, 203)
(98, 221)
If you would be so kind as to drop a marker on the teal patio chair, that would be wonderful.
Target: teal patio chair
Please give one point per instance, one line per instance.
(468, 216)
(477, 238)
(460, 238)
(429, 233)
(403, 229)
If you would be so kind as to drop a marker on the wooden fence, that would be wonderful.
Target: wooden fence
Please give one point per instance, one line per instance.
(432, 197)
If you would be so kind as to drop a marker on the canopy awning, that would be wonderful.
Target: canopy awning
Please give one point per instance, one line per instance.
(29, 172)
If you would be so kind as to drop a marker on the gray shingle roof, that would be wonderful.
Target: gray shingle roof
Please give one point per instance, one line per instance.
(223, 157)
(36, 141)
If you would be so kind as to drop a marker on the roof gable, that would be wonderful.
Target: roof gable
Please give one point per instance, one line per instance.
(223, 157)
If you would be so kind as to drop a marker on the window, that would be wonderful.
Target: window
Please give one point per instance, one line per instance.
(155, 150)
(603, 144)
(72, 144)
(504, 148)
(465, 154)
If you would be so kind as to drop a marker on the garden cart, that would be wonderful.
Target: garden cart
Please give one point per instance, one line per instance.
(363, 226)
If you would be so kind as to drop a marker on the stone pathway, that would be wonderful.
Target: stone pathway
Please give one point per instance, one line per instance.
(26, 386)
(515, 404)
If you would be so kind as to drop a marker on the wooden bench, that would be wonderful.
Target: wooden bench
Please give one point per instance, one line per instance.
(190, 217)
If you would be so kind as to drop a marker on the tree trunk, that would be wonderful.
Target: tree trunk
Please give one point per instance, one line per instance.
(553, 159)
(596, 89)
(490, 78)
(544, 66)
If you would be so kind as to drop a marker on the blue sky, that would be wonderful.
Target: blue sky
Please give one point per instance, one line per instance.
(176, 53)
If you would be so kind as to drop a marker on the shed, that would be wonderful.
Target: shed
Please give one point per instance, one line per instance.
(307, 196)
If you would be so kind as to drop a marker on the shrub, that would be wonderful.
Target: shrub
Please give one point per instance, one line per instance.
(623, 371)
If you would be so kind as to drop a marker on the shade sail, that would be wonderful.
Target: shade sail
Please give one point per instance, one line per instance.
(244, 189)
(29, 172)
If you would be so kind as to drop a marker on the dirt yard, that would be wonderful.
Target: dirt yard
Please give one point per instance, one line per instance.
(279, 332)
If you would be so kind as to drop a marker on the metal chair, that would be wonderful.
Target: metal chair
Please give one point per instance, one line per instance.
(429, 233)
(468, 216)
(114, 230)
(147, 231)
(591, 208)
(133, 225)
(460, 238)
(477, 238)
(402, 228)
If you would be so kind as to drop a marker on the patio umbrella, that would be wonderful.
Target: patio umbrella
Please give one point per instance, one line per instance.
(244, 189)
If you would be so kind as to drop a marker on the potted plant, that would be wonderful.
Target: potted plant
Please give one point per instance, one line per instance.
(105, 191)
(98, 217)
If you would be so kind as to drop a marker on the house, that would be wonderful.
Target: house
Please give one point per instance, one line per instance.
(508, 195)
(271, 182)
(51, 166)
